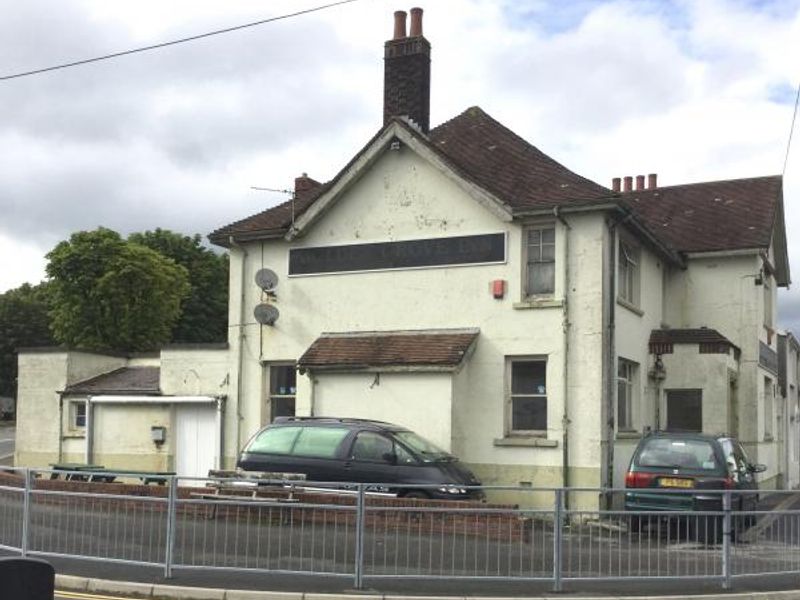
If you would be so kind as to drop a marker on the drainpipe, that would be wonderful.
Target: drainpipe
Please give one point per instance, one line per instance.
(240, 346)
(565, 481)
(89, 430)
(60, 429)
(220, 418)
(608, 424)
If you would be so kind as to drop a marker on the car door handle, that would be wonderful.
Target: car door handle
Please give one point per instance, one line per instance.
(348, 464)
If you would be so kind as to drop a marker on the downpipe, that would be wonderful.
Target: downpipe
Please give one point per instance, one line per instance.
(565, 325)
(240, 345)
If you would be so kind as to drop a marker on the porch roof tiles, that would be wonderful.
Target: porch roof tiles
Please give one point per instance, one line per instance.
(443, 349)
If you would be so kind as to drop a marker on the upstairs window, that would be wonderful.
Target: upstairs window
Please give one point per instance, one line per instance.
(626, 393)
(628, 283)
(541, 261)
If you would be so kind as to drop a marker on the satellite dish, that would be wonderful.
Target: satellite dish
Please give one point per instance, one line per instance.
(267, 279)
(266, 314)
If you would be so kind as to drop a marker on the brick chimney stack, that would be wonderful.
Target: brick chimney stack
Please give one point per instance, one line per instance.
(407, 72)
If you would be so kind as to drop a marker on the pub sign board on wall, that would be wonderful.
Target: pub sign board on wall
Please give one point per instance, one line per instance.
(487, 248)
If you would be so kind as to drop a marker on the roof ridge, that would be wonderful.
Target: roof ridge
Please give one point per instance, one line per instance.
(695, 183)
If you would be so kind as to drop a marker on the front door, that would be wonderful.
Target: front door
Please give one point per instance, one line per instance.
(195, 441)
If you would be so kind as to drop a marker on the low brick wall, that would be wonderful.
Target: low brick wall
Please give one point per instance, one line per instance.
(492, 522)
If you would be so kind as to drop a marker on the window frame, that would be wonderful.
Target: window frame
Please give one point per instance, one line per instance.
(509, 397)
(632, 267)
(631, 383)
(527, 264)
(76, 407)
(768, 395)
(274, 398)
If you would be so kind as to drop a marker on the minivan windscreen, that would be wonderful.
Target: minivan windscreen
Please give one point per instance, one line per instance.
(427, 451)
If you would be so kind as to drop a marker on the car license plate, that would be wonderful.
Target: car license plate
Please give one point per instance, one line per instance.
(675, 483)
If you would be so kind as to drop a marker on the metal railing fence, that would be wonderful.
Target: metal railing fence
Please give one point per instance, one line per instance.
(521, 534)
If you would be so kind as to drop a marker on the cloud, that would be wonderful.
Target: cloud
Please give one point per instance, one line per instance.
(691, 89)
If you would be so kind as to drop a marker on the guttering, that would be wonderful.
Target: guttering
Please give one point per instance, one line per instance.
(565, 325)
(724, 253)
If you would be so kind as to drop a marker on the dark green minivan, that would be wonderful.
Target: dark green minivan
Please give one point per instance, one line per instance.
(389, 457)
(702, 465)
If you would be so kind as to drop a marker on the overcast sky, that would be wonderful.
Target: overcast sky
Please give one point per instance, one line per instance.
(175, 138)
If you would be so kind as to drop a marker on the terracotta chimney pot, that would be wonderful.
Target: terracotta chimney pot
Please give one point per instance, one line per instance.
(640, 182)
(615, 184)
(416, 22)
(627, 184)
(399, 24)
(652, 181)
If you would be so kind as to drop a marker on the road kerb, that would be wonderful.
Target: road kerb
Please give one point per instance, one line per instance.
(72, 583)
(257, 595)
(128, 588)
(174, 592)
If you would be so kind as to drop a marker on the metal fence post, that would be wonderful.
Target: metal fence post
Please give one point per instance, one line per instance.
(26, 513)
(727, 534)
(359, 566)
(558, 518)
(172, 497)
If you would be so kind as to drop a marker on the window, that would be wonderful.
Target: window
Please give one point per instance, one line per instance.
(77, 415)
(541, 261)
(277, 440)
(685, 410)
(628, 273)
(769, 401)
(319, 442)
(627, 372)
(528, 395)
(282, 390)
(372, 447)
(767, 304)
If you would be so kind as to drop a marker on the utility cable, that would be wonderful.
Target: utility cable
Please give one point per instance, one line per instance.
(175, 42)
(791, 130)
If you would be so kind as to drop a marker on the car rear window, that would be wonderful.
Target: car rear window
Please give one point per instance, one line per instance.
(275, 440)
(319, 442)
(677, 454)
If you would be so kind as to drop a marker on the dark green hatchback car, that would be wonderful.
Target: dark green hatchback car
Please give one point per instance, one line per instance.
(703, 465)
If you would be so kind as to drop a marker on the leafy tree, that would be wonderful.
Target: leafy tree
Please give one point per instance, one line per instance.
(23, 322)
(108, 293)
(205, 309)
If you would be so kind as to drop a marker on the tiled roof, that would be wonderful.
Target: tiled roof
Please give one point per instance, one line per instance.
(716, 215)
(498, 160)
(128, 380)
(444, 348)
(275, 220)
(720, 215)
(702, 335)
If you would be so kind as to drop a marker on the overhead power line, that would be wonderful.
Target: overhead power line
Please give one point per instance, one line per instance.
(791, 130)
(175, 42)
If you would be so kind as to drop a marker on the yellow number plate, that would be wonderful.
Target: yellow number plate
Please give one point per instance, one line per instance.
(675, 483)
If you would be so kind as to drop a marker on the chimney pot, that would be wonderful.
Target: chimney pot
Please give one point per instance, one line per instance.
(416, 22)
(627, 183)
(652, 181)
(407, 73)
(640, 182)
(615, 184)
(399, 24)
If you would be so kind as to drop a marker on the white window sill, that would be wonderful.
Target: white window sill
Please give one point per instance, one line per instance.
(629, 435)
(634, 309)
(526, 442)
(74, 435)
(534, 303)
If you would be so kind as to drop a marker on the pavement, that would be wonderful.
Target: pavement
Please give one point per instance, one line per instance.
(71, 587)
